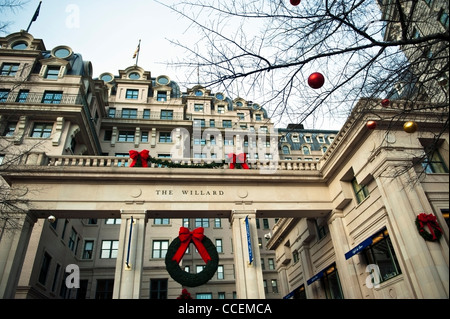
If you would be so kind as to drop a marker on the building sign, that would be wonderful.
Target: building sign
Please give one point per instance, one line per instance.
(358, 248)
(314, 278)
(249, 241)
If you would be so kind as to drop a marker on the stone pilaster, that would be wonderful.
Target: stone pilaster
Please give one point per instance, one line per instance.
(130, 255)
(13, 247)
(249, 283)
(347, 270)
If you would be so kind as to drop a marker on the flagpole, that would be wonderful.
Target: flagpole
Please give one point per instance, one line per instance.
(138, 50)
(36, 14)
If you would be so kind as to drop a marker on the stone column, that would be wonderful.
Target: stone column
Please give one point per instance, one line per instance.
(249, 278)
(13, 247)
(348, 275)
(422, 261)
(130, 255)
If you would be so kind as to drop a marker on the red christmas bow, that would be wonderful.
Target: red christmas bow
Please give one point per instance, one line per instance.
(430, 221)
(240, 158)
(196, 236)
(144, 155)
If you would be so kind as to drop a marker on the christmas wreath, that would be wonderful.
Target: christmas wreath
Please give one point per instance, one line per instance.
(206, 249)
(434, 232)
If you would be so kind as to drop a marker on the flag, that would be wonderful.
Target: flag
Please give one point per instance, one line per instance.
(137, 50)
(36, 14)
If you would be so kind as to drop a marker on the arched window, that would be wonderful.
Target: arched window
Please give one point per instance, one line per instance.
(286, 149)
(305, 150)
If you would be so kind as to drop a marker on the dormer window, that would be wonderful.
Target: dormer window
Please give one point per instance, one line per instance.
(132, 94)
(52, 72)
(161, 96)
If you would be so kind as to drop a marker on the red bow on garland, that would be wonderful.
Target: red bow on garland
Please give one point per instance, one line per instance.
(196, 236)
(430, 221)
(143, 156)
(239, 159)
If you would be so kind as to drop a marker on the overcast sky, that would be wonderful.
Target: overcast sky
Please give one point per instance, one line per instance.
(106, 32)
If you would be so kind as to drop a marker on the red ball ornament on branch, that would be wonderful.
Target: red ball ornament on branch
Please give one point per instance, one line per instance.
(316, 80)
(385, 102)
(371, 125)
(295, 2)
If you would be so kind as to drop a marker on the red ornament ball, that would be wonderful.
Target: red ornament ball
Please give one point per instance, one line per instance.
(385, 102)
(371, 125)
(295, 2)
(316, 80)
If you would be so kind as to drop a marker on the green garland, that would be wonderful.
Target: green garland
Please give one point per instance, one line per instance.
(166, 163)
(185, 278)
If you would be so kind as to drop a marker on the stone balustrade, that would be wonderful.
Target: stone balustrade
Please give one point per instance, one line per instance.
(42, 159)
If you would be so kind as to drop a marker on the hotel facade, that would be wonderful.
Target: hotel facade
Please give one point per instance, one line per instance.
(314, 214)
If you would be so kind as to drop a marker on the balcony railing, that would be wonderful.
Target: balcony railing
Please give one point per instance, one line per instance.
(42, 159)
(42, 98)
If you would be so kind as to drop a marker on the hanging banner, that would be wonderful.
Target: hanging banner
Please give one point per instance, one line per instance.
(129, 244)
(249, 242)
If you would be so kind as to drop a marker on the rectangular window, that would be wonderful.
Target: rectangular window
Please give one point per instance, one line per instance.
(132, 94)
(202, 222)
(158, 288)
(43, 130)
(165, 137)
(219, 245)
(166, 115)
(265, 223)
(112, 112)
(129, 113)
(52, 97)
(9, 69)
(199, 123)
(271, 264)
(10, 129)
(220, 272)
(161, 221)
(226, 123)
(198, 107)
(434, 163)
(88, 249)
(331, 283)
(104, 289)
(144, 137)
(381, 252)
(113, 221)
(274, 284)
(109, 249)
(52, 72)
(361, 192)
(126, 136)
(44, 268)
(217, 223)
(443, 18)
(212, 123)
(203, 296)
(160, 248)
(161, 96)
(22, 96)
(146, 114)
(3, 95)
(258, 117)
(221, 109)
(72, 240)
